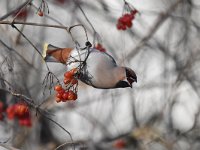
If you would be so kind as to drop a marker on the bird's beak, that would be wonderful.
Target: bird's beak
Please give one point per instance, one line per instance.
(131, 80)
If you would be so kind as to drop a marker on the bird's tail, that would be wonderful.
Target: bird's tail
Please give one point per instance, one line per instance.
(55, 54)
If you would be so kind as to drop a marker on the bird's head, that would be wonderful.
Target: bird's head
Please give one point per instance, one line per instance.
(129, 78)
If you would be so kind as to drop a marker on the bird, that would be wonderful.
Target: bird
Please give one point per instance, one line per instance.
(98, 69)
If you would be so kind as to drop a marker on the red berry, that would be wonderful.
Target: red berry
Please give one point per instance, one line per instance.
(25, 122)
(129, 24)
(124, 20)
(59, 95)
(21, 110)
(119, 26)
(74, 81)
(120, 20)
(132, 16)
(65, 96)
(133, 12)
(98, 46)
(68, 75)
(40, 13)
(72, 95)
(103, 50)
(58, 100)
(123, 27)
(28, 123)
(61, 91)
(67, 80)
(10, 112)
(126, 17)
(58, 88)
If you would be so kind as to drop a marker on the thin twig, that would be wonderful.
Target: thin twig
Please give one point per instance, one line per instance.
(77, 3)
(34, 24)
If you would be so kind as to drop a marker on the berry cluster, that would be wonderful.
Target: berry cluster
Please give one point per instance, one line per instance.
(43, 7)
(125, 21)
(70, 91)
(100, 48)
(21, 112)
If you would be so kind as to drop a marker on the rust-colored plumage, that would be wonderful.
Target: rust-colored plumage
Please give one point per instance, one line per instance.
(55, 54)
(60, 54)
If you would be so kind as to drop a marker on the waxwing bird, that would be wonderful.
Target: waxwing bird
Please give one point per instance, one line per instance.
(99, 69)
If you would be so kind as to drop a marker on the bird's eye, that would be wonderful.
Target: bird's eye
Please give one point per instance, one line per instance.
(131, 80)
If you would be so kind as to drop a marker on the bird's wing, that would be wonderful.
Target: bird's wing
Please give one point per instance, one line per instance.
(55, 54)
(111, 58)
(98, 70)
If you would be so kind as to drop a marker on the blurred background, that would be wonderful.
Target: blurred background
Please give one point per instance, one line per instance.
(160, 112)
